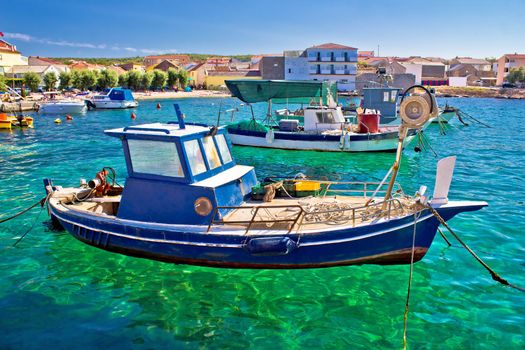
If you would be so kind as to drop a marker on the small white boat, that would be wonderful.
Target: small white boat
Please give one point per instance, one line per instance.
(62, 107)
(116, 98)
(321, 127)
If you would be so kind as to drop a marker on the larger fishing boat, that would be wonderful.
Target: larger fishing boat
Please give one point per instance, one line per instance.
(321, 126)
(186, 201)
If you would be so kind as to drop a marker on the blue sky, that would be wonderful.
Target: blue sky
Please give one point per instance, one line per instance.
(110, 28)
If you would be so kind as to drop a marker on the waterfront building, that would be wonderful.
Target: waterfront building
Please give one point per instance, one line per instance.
(197, 74)
(132, 66)
(178, 59)
(506, 63)
(10, 56)
(481, 65)
(333, 62)
(216, 78)
(272, 67)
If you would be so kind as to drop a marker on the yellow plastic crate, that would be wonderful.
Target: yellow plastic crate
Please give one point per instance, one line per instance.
(307, 186)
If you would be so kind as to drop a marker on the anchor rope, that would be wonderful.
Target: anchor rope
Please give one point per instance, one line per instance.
(471, 117)
(405, 316)
(40, 201)
(493, 273)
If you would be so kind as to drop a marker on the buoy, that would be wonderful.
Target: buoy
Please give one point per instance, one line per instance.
(133, 116)
(158, 105)
(68, 117)
(58, 121)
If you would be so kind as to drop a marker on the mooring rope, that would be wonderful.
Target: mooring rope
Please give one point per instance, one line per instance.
(405, 316)
(40, 201)
(460, 113)
(493, 273)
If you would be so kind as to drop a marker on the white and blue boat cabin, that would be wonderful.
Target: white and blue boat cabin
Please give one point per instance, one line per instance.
(178, 173)
(114, 98)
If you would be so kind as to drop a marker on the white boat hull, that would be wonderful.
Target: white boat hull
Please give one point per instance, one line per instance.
(371, 145)
(58, 108)
(115, 104)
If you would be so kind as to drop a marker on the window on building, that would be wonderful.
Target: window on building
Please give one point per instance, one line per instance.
(155, 157)
(289, 70)
(194, 154)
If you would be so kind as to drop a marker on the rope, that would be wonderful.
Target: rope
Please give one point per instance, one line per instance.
(474, 119)
(40, 201)
(493, 273)
(30, 228)
(405, 317)
(444, 237)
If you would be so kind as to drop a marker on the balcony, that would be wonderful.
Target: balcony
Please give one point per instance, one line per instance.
(339, 58)
(326, 59)
(340, 71)
(326, 71)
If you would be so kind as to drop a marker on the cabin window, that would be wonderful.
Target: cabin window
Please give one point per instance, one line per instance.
(193, 151)
(211, 152)
(223, 148)
(325, 117)
(155, 157)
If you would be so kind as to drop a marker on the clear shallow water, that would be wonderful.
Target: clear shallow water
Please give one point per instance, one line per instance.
(57, 292)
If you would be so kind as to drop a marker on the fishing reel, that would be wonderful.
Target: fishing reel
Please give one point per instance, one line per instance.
(416, 109)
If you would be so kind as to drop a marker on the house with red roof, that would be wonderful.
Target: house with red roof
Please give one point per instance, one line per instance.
(10, 56)
(329, 61)
(506, 63)
(177, 59)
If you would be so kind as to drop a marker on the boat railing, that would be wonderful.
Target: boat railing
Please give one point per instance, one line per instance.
(288, 217)
(366, 189)
(269, 216)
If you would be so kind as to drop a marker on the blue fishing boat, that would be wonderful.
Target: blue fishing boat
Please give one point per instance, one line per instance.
(186, 201)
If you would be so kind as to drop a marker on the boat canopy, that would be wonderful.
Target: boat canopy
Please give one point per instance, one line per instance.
(282, 91)
(119, 94)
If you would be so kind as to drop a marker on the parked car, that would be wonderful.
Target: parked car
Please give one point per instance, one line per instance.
(508, 85)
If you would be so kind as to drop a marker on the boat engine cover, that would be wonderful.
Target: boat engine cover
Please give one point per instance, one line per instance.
(269, 246)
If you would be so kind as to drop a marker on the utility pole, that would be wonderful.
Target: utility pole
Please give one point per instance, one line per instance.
(378, 50)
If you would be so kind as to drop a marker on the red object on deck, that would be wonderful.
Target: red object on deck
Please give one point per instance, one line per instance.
(368, 123)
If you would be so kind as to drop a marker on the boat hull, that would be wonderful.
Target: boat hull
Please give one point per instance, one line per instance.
(62, 109)
(384, 142)
(384, 243)
(444, 117)
(115, 104)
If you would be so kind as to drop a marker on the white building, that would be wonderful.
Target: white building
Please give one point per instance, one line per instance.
(329, 61)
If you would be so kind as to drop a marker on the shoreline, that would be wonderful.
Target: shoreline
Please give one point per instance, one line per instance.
(480, 92)
(143, 96)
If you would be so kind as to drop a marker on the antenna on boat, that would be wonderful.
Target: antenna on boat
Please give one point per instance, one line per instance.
(219, 115)
(415, 111)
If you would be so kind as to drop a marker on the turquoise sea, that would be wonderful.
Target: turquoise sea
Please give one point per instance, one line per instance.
(58, 293)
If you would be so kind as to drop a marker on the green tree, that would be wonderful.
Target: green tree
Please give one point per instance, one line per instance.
(32, 81)
(76, 79)
(3, 86)
(65, 80)
(134, 80)
(107, 79)
(183, 78)
(145, 80)
(173, 78)
(159, 79)
(123, 80)
(516, 75)
(50, 81)
(88, 79)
